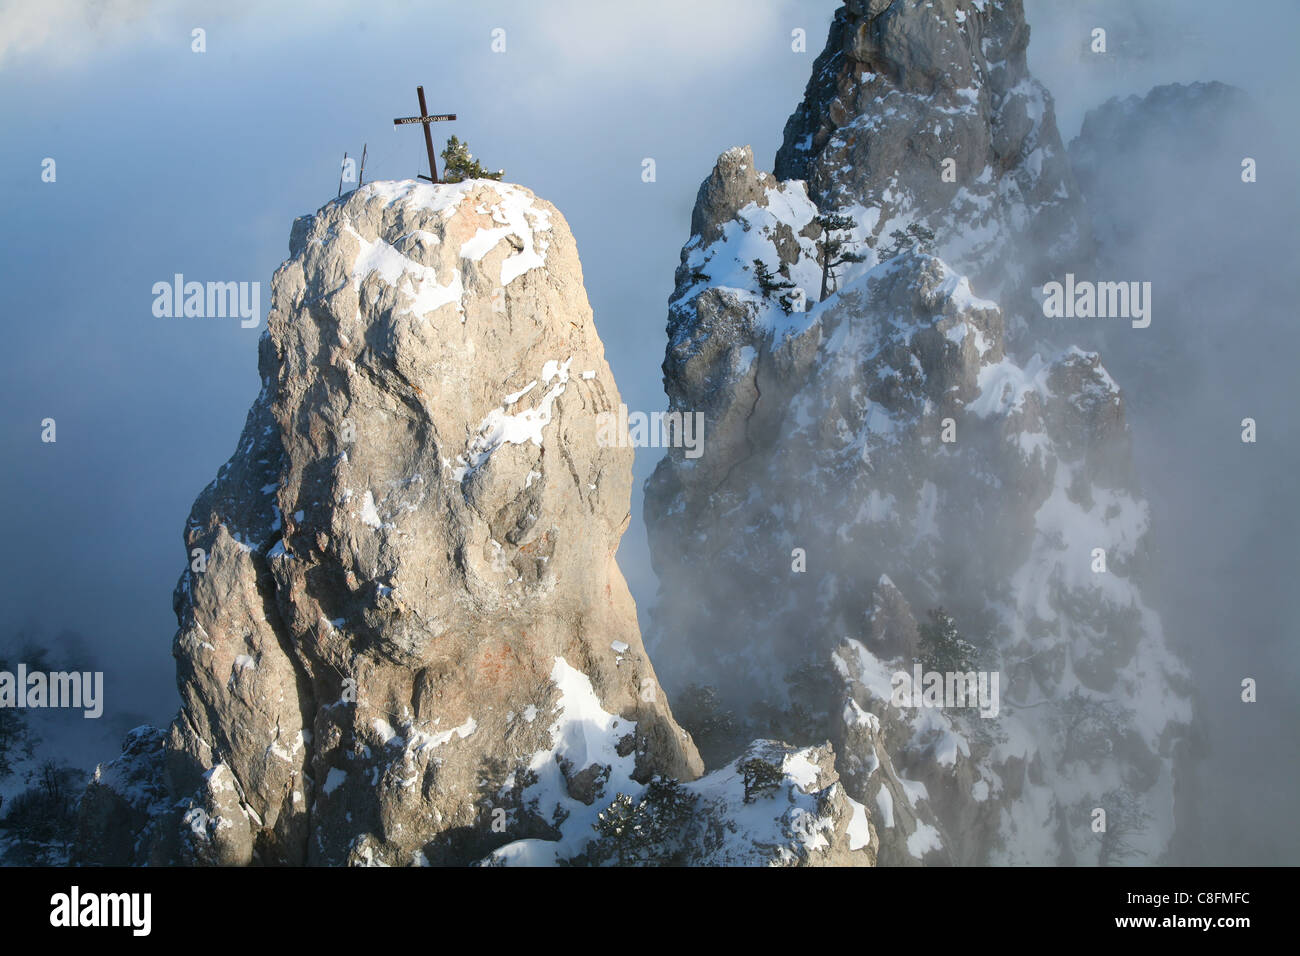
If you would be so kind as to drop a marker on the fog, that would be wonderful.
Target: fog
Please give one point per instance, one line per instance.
(1172, 209)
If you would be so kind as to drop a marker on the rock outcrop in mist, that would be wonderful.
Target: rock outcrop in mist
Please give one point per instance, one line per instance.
(1192, 187)
(921, 451)
(403, 635)
(927, 114)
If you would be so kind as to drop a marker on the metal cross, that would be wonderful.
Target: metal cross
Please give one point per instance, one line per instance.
(424, 119)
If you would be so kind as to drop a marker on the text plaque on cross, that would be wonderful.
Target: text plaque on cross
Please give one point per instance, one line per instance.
(424, 119)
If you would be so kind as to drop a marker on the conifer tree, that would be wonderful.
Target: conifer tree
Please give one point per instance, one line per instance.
(770, 284)
(834, 248)
(914, 236)
(460, 164)
(943, 648)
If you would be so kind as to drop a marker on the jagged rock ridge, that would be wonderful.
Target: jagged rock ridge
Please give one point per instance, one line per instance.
(827, 446)
(925, 112)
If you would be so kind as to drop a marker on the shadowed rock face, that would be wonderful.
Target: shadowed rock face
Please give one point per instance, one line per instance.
(404, 637)
(909, 444)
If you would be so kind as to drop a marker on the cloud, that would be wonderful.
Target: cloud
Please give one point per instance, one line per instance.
(63, 31)
(1156, 42)
(679, 36)
(577, 38)
(67, 34)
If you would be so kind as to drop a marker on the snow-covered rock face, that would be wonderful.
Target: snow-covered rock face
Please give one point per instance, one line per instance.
(404, 638)
(923, 111)
(776, 805)
(892, 450)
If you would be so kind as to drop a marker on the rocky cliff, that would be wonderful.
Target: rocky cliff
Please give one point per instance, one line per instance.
(403, 635)
(926, 114)
(912, 468)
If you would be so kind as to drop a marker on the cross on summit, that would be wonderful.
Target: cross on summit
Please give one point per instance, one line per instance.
(424, 119)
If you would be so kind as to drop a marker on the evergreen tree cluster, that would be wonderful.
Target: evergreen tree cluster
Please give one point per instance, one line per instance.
(649, 831)
(460, 164)
(943, 649)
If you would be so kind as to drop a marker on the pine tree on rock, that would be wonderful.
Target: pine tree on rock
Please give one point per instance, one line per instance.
(834, 248)
(770, 284)
(943, 648)
(460, 164)
(914, 236)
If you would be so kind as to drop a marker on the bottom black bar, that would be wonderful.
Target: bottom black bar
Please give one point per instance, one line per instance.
(331, 906)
